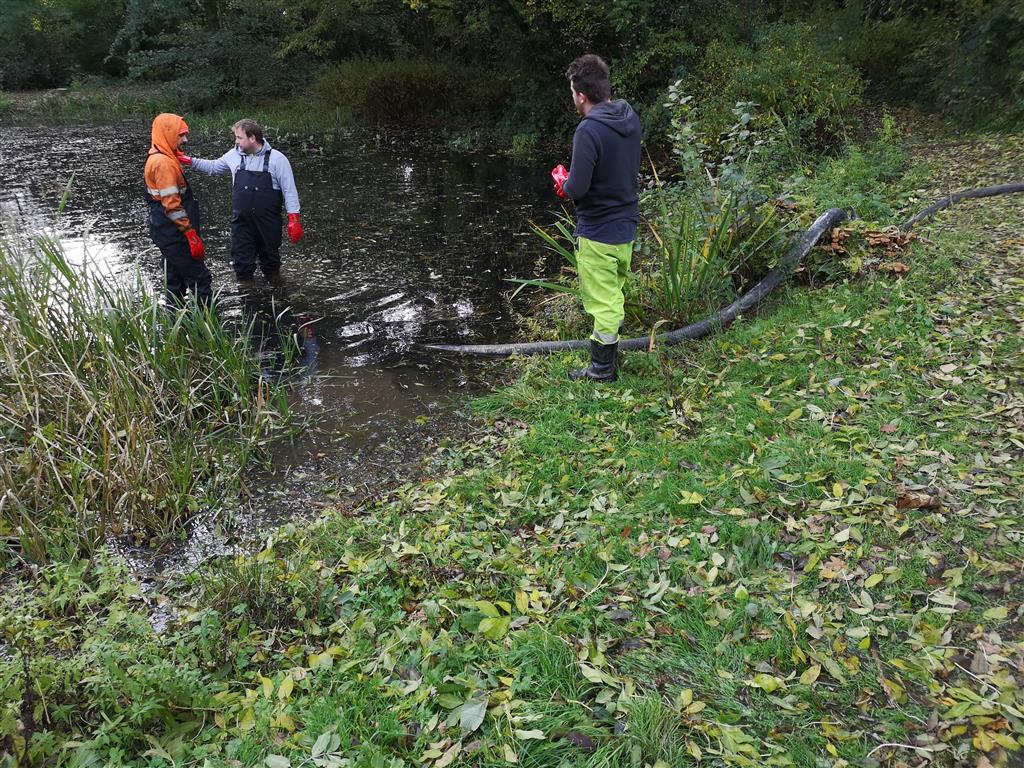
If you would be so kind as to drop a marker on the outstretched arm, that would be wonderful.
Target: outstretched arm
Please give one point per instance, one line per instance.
(217, 167)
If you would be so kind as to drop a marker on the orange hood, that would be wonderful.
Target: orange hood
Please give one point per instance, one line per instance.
(166, 130)
(162, 166)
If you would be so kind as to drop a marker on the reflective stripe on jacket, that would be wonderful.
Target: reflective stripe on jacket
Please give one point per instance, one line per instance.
(164, 180)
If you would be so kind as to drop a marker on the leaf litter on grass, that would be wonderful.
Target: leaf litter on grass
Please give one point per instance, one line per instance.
(799, 542)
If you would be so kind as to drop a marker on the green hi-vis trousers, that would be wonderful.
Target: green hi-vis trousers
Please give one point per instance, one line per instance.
(603, 269)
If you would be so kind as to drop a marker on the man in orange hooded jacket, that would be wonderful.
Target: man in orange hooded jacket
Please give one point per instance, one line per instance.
(174, 213)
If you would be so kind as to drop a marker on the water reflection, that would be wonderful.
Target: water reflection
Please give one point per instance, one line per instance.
(400, 247)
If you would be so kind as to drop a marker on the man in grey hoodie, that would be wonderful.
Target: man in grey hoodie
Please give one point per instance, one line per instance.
(602, 181)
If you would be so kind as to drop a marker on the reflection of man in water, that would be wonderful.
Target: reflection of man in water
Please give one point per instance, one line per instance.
(174, 213)
(262, 181)
(282, 339)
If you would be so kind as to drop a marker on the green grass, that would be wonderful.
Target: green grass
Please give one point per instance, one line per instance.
(288, 123)
(720, 558)
(87, 104)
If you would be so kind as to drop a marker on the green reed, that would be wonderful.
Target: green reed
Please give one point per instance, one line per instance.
(116, 415)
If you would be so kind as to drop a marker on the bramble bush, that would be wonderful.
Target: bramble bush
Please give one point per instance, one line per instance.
(788, 72)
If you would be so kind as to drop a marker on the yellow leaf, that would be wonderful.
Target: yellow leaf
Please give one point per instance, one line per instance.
(535, 734)
(284, 722)
(795, 414)
(1005, 741)
(449, 757)
(510, 755)
(285, 691)
(767, 683)
(268, 686)
(894, 690)
(983, 742)
(837, 490)
(487, 609)
(320, 660)
(998, 613)
(522, 601)
(591, 674)
(248, 721)
(810, 675)
(873, 580)
(690, 498)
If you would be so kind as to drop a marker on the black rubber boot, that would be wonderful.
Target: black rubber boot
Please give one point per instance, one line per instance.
(604, 359)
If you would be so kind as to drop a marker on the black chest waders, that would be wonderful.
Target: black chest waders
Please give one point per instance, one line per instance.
(181, 272)
(255, 222)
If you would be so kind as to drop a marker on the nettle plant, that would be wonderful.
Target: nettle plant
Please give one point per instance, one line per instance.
(724, 159)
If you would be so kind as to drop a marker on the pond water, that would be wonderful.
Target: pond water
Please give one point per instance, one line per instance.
(402, 244)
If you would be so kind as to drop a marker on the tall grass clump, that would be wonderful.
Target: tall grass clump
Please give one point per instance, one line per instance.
(869, 180)
(116, 415)
(702, 247)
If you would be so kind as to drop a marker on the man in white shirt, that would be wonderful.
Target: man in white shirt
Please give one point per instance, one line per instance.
(263, 182)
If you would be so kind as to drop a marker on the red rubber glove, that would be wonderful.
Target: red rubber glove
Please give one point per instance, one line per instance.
(195, 245)
(560, 175)
(294, 227)
(183, 158)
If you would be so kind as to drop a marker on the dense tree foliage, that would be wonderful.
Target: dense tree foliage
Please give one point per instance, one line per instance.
(967, 57)
(44, 43)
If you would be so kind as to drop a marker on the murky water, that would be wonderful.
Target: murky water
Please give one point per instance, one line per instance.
(402, 245)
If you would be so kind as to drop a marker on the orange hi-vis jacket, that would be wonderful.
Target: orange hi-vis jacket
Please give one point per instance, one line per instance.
(164, 180)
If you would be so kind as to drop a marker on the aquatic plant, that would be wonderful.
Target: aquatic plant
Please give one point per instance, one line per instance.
(116, 414)
(700, 244)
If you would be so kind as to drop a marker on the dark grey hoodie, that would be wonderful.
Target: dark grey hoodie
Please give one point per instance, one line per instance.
(603, 173)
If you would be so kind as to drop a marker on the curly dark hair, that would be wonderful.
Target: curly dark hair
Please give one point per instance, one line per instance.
(589, 75)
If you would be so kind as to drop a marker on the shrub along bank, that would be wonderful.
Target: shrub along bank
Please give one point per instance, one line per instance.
(478, 65)
(796, 541)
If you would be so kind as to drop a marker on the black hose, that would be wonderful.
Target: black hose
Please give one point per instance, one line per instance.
(744, 303)
(1000, 189)
(697, 330)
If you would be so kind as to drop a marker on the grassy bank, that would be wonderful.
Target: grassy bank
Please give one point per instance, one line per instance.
(118, 416)
(307, 123)
(796, 543)
(292, 122)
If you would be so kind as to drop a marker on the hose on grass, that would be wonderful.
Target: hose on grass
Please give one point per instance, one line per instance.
(745, 303)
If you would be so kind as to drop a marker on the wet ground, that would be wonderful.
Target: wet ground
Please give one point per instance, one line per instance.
(403, 244)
